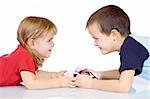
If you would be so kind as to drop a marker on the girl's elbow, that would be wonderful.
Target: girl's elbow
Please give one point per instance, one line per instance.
(29, 86)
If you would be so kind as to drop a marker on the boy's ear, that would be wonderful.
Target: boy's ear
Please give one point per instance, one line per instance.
(114, 34)
(31, 43)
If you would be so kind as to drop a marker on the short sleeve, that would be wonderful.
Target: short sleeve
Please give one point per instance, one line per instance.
(145, 41)
(130, 60)
(27, 63)
(132, 56)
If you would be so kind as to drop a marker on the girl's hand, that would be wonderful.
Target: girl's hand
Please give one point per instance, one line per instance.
(66, 82)
(58, 74)
(84, 81)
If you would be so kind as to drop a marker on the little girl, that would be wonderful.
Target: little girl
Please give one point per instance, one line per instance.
(35, 35)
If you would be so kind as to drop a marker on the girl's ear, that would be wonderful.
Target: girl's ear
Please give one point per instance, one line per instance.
(31, 43)
(114, 34)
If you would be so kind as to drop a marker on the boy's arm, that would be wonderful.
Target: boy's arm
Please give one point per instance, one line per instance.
(46, 74)
(32, 82)
(112, 74)
(122, 85)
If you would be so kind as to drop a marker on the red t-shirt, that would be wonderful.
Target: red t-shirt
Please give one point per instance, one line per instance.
(12, 64)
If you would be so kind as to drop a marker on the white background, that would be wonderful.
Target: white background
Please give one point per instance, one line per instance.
(73, 44)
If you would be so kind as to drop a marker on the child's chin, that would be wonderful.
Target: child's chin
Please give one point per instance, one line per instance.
(47, 56)
(104, 52)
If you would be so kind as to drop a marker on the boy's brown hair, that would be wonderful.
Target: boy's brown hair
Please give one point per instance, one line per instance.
(111, 17)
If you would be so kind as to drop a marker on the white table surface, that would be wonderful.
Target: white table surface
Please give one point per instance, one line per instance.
(140, 90)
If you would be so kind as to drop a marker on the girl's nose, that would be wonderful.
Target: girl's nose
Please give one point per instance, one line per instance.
(95, 44)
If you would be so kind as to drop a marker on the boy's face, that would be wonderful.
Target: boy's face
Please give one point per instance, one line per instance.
(102, 41)
(44, 45)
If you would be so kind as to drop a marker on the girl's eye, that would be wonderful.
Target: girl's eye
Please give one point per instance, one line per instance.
(49, 40)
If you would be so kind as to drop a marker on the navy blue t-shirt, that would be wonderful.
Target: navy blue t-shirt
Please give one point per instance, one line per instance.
(132, 55)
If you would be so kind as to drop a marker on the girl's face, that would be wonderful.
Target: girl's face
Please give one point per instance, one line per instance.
(44, 45)
(102, 41)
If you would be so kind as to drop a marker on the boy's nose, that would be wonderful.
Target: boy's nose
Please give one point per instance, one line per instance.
(95, 44)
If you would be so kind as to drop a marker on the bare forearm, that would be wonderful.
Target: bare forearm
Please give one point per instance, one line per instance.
(113, 74)
(110, 85)
(43, 83)
(31, 81)
(44, 74)
(123, 84)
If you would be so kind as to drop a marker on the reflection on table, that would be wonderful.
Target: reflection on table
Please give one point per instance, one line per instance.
(139, 90)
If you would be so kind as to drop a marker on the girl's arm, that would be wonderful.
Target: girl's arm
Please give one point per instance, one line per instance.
(46, 74)
(112, 74)
(32, 82)
(122, 85)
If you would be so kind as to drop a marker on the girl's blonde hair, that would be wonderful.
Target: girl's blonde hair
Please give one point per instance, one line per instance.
(33, 27)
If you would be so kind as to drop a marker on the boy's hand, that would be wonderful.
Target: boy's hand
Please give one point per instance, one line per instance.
(84, 81)
(67, 82)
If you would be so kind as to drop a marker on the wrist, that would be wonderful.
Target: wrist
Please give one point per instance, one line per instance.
(100, 74)
(93, 83)
(59, 83)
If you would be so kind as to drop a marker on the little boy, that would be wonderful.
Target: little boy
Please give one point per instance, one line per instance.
(110, 27)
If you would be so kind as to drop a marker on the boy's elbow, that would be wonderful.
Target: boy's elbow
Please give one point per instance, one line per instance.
(124, 89)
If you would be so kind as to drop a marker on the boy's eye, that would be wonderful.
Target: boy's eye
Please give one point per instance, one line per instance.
(95, 38)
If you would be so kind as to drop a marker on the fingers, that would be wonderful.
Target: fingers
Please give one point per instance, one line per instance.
(67, 82)
(78, 83)
(82, 81)
(72, 84)
(78, 80)
(72, 79)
